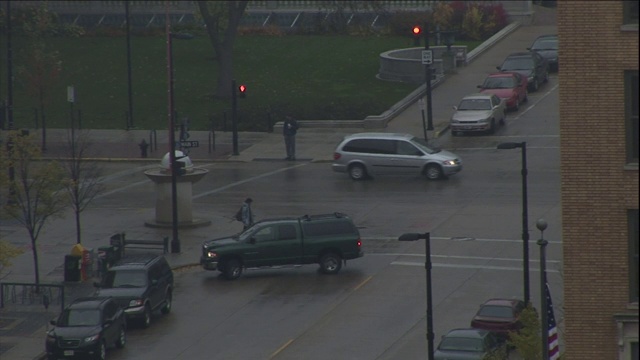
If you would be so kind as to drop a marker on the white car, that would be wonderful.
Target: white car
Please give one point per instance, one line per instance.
(478, 113)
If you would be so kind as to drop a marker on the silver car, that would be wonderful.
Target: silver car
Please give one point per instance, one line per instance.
(369, 154)
(478, 113)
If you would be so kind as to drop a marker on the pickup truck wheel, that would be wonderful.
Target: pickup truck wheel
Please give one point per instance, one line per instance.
(330, 263)
(232, 269)
(167, 304)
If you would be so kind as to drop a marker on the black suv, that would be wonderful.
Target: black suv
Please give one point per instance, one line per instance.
(531, 65)
(141, 285)
(86, 328)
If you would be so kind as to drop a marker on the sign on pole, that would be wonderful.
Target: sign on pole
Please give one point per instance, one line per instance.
(71, 94)
(427, 57)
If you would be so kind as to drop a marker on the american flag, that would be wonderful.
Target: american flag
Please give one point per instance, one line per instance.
(554, 349)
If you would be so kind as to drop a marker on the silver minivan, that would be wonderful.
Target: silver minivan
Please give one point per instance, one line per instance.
(369, 154)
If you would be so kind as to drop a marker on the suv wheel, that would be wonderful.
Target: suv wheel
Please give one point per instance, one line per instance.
(330, 263)
(433, 172)
(102, 351)
(357, 172)
(167, 304)
(146, 320)
(122, 338)
(232, 269)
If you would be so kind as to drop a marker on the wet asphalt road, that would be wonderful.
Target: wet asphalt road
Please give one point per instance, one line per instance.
(375, 308)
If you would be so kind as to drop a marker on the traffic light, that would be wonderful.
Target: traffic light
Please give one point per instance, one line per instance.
(417, 31)
(242, 90)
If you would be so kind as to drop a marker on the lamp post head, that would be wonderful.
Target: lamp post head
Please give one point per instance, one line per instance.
(413, 237)
(541, 224)
(511, 145)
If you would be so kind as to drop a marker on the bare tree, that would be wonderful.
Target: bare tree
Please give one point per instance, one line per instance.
(37, 191)
(222, 19)
(84, 176)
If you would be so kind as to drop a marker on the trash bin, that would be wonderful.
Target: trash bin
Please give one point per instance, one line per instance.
(72, 267)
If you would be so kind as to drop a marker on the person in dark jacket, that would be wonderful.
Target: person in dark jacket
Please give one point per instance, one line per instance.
(247, 214)
(289, 130)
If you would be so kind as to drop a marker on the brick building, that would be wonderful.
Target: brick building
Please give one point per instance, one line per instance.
(599, 169)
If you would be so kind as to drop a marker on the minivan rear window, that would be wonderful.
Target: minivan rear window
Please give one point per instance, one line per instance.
(370, 146)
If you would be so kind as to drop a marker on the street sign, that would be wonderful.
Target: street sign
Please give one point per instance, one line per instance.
(187, 144)
(427, 57)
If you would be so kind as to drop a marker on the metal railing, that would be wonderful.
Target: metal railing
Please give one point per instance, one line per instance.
(30, 294)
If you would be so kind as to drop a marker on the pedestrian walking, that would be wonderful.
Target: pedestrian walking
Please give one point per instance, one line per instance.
(143, 148)
(247, 214)
(289, 130)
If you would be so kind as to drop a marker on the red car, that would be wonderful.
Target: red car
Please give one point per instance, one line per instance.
(510, 86)
(500, 316)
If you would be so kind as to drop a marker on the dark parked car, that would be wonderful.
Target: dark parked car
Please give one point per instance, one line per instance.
(470, 344)
(500, 316)
(86, 328)
(141, 285)
(531, 65)
(547, 46)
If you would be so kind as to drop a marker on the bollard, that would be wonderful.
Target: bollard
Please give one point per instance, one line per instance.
(143, 148)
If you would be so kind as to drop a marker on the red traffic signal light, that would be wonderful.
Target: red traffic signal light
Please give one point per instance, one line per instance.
(417, 31)
(243, 90)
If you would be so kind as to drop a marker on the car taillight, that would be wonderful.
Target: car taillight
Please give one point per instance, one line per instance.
(359, 243)
(336, 156)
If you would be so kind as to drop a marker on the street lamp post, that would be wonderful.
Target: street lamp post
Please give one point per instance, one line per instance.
(541, 224)
(175, 242)
(525, 215)
(427, 266)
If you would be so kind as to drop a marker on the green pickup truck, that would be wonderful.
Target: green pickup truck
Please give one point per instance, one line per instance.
(327, 240)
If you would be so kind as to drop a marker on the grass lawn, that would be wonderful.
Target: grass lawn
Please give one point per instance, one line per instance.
(312, 77)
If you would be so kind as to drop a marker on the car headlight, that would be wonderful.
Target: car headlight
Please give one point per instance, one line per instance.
(90, 339)
(449, 162)
(211, 254)
(455, 121)
(136, 302)
(51, 338)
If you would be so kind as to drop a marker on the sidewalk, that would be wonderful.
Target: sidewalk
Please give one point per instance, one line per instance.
(22, 333)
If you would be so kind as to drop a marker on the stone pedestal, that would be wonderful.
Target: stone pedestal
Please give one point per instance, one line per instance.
(184, 192)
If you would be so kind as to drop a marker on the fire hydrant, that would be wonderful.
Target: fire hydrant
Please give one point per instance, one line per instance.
(143, 148)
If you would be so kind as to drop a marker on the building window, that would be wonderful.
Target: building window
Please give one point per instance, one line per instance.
(630, 9)
(632, 219)
(631, 112)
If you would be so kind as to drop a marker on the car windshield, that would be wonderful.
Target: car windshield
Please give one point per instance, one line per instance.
(499, 83)
(496, 311)
(422, 144)
(123, 279)
(461, 344)
(517, 64)
(80, 317)
(545, 44)
(475, 104)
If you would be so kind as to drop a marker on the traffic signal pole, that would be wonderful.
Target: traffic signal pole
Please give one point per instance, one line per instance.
(234, 116)
(428, 82)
